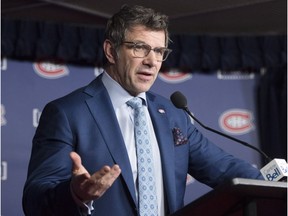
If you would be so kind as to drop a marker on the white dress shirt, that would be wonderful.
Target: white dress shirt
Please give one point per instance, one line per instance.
(125, 116)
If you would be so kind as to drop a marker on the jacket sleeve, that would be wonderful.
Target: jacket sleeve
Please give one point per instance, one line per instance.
(47, 188)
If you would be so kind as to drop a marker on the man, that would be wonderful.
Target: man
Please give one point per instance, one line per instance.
(84, 156)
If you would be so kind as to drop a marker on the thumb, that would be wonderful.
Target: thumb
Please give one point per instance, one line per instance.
(77, 167)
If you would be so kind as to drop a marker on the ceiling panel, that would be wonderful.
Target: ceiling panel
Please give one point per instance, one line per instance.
(193, 16)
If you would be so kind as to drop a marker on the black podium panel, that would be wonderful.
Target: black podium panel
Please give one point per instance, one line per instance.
(247, 197)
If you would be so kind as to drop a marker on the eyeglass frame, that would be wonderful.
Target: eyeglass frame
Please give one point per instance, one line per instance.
(148, 49)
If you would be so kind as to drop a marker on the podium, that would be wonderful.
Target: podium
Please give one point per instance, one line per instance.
(241, 197)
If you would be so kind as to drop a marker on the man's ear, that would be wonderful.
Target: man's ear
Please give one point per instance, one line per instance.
(109, 51)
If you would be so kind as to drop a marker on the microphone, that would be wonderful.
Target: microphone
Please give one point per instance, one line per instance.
(275, 170)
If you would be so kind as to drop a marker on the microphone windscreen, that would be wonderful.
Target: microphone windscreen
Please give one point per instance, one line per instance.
(179, 100)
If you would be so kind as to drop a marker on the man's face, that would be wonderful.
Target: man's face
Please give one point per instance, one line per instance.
(136, 74)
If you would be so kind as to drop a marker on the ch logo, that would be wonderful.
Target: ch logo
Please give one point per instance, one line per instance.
(50, 70)
(175, 76)
(236, 121)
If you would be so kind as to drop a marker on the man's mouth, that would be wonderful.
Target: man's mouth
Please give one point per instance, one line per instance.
(145, 75)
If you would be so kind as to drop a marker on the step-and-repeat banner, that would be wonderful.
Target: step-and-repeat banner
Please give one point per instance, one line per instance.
(223, 101)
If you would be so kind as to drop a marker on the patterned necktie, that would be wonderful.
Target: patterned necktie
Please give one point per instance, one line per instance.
(146, 179)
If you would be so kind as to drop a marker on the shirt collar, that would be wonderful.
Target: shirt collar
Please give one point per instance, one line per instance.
(117, 93)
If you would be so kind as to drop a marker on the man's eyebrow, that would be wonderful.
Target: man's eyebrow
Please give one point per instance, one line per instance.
(144, 43)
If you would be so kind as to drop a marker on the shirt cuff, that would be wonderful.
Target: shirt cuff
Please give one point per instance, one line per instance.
(86, 208)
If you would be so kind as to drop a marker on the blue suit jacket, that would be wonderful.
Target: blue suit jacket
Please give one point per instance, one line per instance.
(84, 121)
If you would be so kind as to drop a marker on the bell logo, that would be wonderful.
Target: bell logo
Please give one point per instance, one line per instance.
(50, 70)
(236, 121)
(174, 76)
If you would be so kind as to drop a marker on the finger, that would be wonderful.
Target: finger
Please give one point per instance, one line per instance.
(107, 175)
(101, 181)
(115, 171)
(77, 167)
(103, 171)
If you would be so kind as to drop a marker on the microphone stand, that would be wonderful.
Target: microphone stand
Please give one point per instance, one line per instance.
(267, 158)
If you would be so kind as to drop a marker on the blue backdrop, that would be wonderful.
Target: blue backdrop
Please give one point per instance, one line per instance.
(223, 102)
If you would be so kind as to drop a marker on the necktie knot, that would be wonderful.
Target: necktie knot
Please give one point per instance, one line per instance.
(135, 103)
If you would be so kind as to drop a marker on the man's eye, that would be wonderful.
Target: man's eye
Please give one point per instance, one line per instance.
(140, 47)
(159, 51)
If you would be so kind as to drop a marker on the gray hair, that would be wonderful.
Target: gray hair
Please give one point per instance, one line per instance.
(128, 17)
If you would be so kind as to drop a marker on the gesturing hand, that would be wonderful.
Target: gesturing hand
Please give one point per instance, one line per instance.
(89, 187)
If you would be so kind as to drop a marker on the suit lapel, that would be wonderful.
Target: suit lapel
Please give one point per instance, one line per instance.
(102, 111)
(166, 147)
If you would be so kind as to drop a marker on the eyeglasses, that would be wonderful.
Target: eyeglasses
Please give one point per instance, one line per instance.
(141, 50)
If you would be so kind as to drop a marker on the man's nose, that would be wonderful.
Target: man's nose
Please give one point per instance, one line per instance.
(151, 59)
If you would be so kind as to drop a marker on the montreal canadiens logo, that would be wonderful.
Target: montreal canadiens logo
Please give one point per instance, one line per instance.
(236, 121)
(174, 76)
(50, 70)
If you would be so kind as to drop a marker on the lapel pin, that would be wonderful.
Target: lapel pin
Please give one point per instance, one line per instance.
(161, 111)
